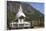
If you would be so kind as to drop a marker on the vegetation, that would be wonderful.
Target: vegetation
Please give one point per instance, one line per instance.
(31, 14)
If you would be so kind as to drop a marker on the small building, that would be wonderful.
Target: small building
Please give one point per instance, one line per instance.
(20, 16)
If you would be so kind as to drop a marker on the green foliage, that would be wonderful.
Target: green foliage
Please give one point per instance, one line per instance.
(10, 17)
(36, 15)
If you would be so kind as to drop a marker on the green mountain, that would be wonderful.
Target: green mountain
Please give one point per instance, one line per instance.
(31, 13)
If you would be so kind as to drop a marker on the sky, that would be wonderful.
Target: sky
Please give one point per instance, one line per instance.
(38, 6)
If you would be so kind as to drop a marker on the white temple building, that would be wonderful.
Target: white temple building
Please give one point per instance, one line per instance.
(20, 16)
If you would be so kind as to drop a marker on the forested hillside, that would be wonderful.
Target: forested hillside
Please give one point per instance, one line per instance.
(31, 13)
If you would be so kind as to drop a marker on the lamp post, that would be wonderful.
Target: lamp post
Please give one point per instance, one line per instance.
(31, 24)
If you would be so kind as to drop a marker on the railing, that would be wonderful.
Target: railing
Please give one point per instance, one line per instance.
(19, 25)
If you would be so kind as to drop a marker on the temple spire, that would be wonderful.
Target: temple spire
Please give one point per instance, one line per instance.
(20, 13)
(20, 9)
